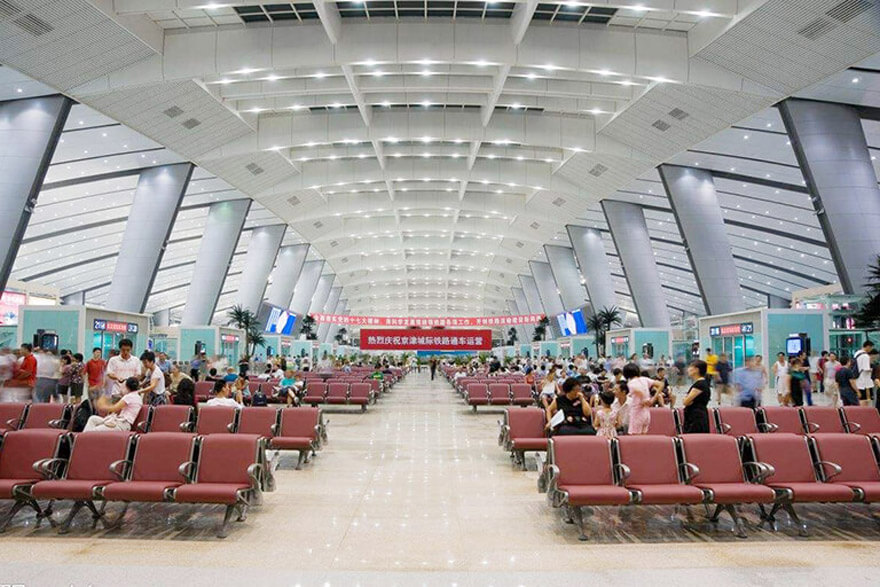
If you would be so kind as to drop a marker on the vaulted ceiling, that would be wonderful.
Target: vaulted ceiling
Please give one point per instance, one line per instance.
(427, 150)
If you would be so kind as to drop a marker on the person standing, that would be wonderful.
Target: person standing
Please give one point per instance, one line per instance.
(639, 399)
(433, 367)
(863, 369)
(48, 374)
(24, 372)
(153, 388)
(76, 378)
(749, 382)
(780, 378)
(723, 369)
(820, 374)
(797, 378)
(122, 367)
(95, 368)
(829, 377)
(711, 367)
(696, 413)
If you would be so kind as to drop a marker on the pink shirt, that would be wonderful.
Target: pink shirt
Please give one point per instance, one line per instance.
(133, 402)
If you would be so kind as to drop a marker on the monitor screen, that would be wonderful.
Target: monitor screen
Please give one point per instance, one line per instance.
(571, 323)
(794, 345)
(279, 321)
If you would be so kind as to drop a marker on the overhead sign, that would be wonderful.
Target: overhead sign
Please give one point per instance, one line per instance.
(406, 321)
(113, 326)
(732, 329)
(229, 338)
(620, 340)
(375, 339)
(9, 303)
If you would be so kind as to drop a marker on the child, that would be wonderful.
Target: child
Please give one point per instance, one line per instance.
(606, 416)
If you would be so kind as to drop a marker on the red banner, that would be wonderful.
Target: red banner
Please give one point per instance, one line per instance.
(405, 321)
(373, 339)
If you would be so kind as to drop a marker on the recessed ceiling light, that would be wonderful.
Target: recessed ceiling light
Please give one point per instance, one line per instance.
(856, 80)
(18, 90)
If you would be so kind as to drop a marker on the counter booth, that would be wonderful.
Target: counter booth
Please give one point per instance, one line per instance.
(182, 343)
(304, 348)
(82, 328)
(655, 342)
(545, 348)
(570, 346)
(277, 345)
(763, 331)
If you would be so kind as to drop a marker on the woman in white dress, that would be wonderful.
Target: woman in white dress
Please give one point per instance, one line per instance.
(780, 375)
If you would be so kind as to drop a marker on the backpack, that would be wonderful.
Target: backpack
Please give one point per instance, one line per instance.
(259, 399)
(81, 415)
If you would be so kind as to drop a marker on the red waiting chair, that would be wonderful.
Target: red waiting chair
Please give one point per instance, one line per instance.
(477, 394)
(21, 452)
(299, 430)
(47, 416)
(96, 459)
(848, 459)
(780, 419)
(663, 422)
(228, 472)
(713, 463)
(170, 418)
(650, 468)
(337, 393)
(216, 420)
(822, 420)
(360, 394)
(582, 474)
(522, 394)
(11, 415)
(524, 430)
(499, 394)
(155, 470)
(315, 393)
(736, 421)
(862, 419)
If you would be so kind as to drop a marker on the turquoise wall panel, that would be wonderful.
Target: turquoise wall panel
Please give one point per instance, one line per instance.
(658, 338)
(779, 326)
(65, 323)
(189, 337)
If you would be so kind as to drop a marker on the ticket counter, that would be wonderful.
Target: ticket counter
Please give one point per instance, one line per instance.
(182, 343)
(655, 342)
(82, 328)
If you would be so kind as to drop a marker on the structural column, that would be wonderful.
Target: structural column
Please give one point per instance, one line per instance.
(341, 309)
(589, 248)
(329, 308)
(550, 299)
(222, 231)
(830, 145)
(520, 330)
(630, 234)
(522, 307)
(565, 272)
(262, 250)
(322, 292)
(305, 287)
(29, 133)
(530, 291)
(697, 212)
(162, 317)
(288, 267)
(157, 199)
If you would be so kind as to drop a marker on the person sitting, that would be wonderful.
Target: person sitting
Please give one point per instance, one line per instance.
(577, 416)
(222, 396)
(185, 395)
(267, 374)
(121, 414)
(289, 389)
(212, 375)
(241, 387)
(231, 375)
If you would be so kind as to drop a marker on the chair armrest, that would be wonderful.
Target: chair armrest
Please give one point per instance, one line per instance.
(767, 427)
(274, 429)
(255, 471)
(13, 423)
(58, 423)
(689, 471)
(503, 435)
(50, 468)
(120, 468)
(186, 426)
(552, 478)
(231, 426)
(852, 427)
(725, 427)
(812, 427)
(142, 426)
(623, 471)
(759, 471)
(837, 469)
(185, 470)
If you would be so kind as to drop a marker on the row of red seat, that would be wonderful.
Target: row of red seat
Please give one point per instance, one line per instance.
(338, 393)
(708, 469)
(49, 464)
(499, 394)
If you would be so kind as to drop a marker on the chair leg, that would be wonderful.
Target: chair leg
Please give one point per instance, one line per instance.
(738, 524)
(242, 512)
(117, 522)
(65, 525)
(223, 531)
(97, 514)
(716, 513)
(301, 460)
(578, 516)
(789, 509)
(11, 514)
(47, 514)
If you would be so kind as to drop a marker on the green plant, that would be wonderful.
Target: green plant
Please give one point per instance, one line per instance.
(541, 329)
(512, 337)
(341, 335)
(600, 323)
(308, 328)
(868, 316)
(246, 320)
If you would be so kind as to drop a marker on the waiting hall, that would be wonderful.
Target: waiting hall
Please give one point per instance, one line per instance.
(442, 292)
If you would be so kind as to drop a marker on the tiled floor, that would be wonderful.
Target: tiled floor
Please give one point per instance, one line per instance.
(417, 492)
